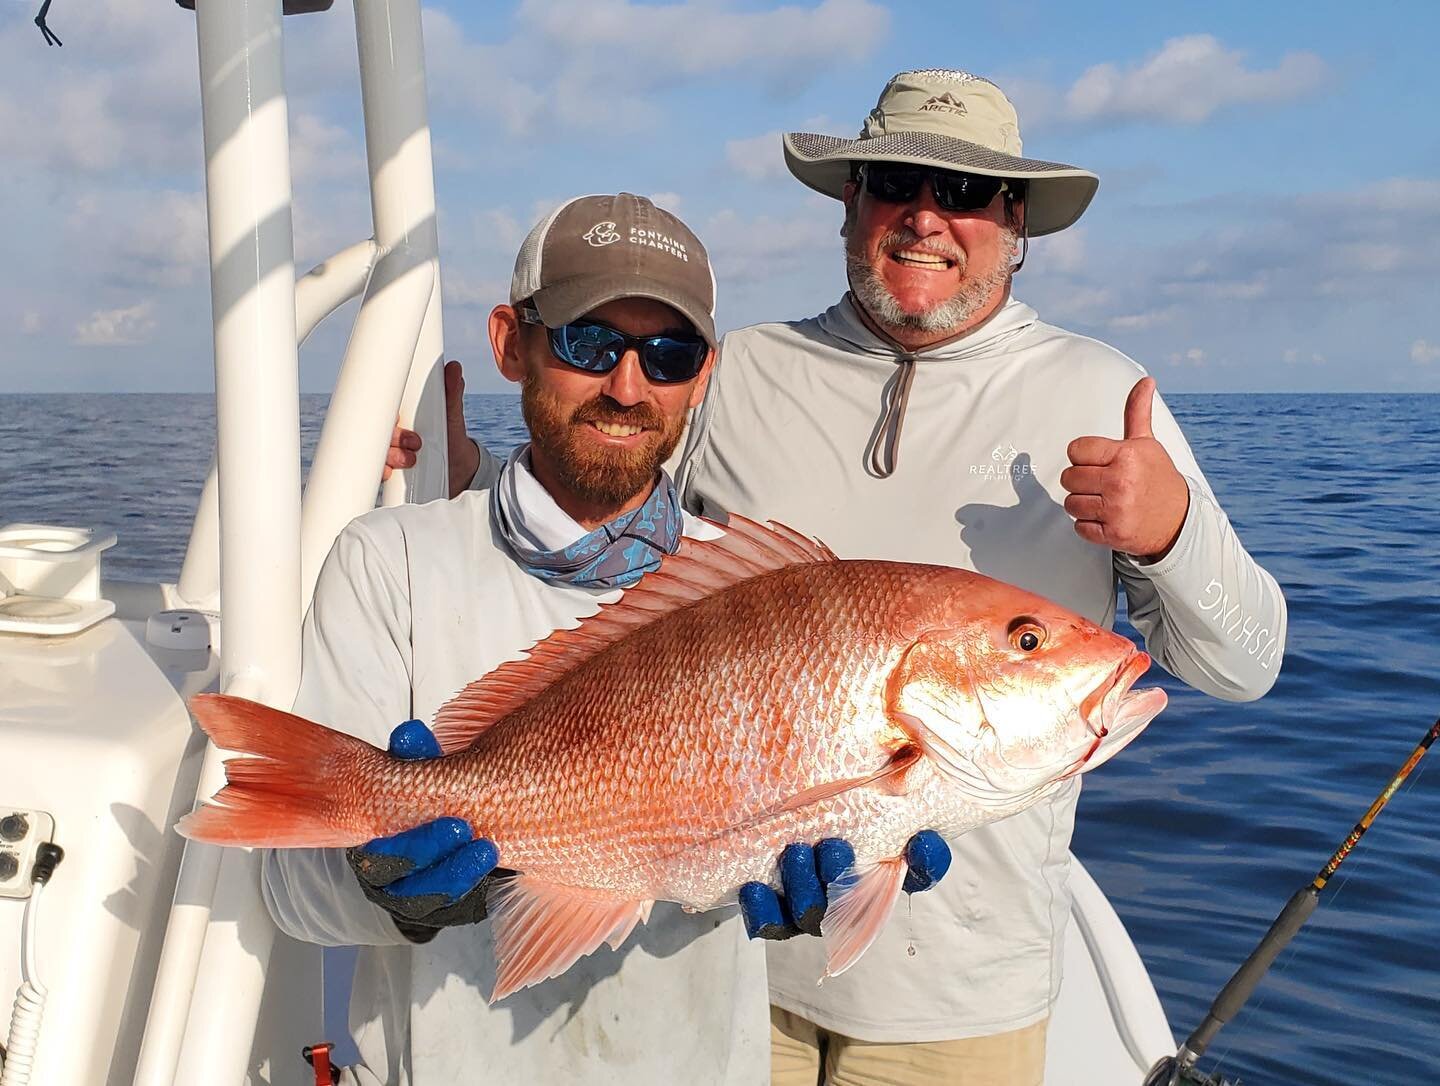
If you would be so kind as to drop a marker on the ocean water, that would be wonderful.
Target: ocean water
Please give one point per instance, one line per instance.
(1201, 830)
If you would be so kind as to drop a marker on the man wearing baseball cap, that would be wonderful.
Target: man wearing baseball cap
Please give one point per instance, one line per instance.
(610, 333)
(931, 416)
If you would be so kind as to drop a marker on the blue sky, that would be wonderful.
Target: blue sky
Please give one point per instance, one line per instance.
(1267, 219)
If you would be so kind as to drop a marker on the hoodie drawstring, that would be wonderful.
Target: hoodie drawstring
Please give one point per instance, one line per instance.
(885, 446)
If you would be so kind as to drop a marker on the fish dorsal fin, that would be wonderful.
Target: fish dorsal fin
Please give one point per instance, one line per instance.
(701, 568)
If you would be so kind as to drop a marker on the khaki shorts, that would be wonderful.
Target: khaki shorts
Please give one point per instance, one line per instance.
(798, 1049)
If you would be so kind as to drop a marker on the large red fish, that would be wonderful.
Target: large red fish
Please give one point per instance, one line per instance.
(753, 692)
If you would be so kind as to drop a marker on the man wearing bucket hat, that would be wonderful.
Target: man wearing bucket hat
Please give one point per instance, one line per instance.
(1030, 454)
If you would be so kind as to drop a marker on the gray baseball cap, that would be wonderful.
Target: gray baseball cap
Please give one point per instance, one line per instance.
(595, 249)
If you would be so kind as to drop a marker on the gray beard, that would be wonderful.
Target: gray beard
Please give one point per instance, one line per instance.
(947, 316)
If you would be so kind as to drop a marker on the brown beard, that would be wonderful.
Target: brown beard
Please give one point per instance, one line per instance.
(607, 478)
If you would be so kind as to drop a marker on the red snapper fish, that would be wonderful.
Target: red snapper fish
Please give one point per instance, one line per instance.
(753, 692)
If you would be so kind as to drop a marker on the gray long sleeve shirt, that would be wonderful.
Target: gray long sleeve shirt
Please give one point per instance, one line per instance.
(783, 434)
(412, 604)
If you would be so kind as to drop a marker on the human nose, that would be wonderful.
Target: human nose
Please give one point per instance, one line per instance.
(924, 216)
(626, 383)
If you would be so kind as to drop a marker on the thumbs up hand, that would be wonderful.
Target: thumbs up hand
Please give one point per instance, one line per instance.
(1127, 495)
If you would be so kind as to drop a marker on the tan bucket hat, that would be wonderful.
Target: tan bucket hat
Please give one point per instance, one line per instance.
(954, 121)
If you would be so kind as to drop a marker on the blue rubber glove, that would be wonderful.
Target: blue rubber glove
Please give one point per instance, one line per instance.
(806, 873)
(432, 876)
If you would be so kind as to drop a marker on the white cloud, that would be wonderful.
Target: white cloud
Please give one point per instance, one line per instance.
(499, 229)
(1392, 196)
(1061, 253)
(487, 80)
(117, 327)
(759, 158)
(1067, 299)
(1219, 287)
(1370, 257)
(123, 96)
(321, 151)
(31, 323)
(612, 64)
(1131, 322)
(760, 248)
(1193, 357)
(470, 292)
(137, 236)
(1187, 81)
(785, 47)
(762, 157)
(1424, 352)
(669, 201)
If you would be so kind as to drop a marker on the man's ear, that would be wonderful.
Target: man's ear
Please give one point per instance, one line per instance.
(848, 195)
(697, 392)
(505, 342)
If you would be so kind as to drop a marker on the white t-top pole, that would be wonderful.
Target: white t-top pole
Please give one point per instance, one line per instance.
(212, 971)
(392, 362)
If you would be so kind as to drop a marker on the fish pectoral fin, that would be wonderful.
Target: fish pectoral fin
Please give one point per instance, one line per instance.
(892, 778)
(542, 928)
(860, 903)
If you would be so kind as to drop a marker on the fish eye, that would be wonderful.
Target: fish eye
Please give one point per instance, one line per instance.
(1026, 634)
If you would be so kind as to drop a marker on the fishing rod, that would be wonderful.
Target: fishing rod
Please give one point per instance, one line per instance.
(1179, 1069)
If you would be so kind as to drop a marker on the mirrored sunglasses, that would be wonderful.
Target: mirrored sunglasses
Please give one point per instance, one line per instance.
(595, 347)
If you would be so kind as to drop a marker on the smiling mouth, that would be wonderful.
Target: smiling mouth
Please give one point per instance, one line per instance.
(918, 258)
(617, 429)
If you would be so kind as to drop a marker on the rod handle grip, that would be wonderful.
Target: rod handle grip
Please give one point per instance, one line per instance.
(1239, 988)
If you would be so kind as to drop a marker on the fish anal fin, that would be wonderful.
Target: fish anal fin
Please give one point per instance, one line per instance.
(701, 568)
(860, 903)
(541, 929)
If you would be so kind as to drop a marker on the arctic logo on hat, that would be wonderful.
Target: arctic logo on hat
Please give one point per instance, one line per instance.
(946, 101)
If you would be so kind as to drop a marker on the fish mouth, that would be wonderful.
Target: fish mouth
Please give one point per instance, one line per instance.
(1115, 714)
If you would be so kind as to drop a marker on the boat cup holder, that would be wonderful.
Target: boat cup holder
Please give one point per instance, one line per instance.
(50, 579)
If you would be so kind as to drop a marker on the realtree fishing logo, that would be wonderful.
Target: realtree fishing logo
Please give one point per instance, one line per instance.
(1005, 463)
(1239, 627)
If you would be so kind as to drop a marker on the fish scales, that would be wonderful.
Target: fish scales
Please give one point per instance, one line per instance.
(670, 739)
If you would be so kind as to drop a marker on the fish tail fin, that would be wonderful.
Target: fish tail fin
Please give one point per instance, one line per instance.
(283, 796)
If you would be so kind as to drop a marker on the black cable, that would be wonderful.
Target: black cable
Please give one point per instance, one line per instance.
(50, 38)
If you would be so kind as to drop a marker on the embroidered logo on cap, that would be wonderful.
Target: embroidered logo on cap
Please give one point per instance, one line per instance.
(946, 102)
(602, 233)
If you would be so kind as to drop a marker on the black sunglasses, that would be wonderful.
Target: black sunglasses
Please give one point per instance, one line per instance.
(595, 347)
(897, 183)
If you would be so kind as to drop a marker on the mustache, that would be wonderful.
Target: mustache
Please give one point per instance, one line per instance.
(908, 239)
(603, 409)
